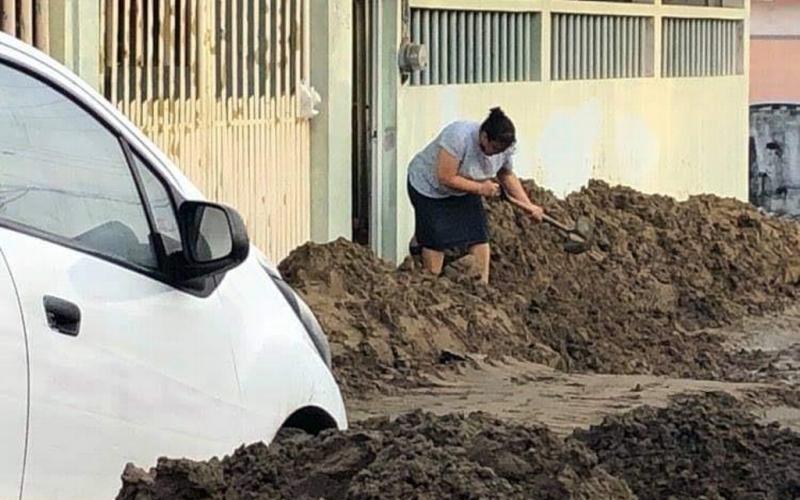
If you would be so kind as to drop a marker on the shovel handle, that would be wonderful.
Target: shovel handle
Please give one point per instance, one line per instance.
(546, 218)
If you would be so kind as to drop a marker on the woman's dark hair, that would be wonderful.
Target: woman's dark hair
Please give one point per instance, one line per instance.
(499, 128)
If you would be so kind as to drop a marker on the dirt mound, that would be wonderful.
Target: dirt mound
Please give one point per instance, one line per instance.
(662, 272)
(419, 455)
(664, 267)
(385, 325)
(698, 447)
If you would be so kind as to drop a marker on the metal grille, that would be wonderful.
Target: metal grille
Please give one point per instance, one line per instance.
(702, 47)
(214, 84)
(27, 20)
(246, 65)
(476, 46)
(588, 47)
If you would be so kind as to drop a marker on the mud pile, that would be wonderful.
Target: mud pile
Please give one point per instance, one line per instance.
(664, 268)
(419, 455)
(386, 326)
(703, 446)
(661, 273)
(698, 447)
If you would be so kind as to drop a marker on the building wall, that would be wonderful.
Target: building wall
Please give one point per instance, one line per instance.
(774, 77)
(775, 17)
(645, 134)
(774, 51)
(676, 136)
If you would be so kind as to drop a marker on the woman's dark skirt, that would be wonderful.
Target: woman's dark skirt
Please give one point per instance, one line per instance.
(447, 223)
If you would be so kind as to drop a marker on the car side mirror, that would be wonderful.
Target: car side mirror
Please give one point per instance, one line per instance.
(214, 239)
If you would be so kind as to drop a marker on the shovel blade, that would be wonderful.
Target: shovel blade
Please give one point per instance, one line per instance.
(584, 227)
(581, 237)
(576, 246)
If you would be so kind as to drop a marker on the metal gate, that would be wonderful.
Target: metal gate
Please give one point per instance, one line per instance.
(216, 84)
(27, 20)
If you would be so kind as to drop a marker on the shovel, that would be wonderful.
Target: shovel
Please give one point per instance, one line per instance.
(578, 239)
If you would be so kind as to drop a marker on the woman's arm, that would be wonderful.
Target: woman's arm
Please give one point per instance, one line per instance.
(513, 186)
(448, 176)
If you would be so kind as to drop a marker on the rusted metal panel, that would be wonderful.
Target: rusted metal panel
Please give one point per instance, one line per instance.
(27, 20)
(217, 86)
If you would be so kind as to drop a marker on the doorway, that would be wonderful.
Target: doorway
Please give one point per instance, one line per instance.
(363, 132)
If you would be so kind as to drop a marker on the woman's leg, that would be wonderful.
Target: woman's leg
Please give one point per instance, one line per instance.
(482, 254)
(413, 246)
(433, 260)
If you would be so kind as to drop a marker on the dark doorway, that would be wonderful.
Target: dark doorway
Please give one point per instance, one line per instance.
(363, 38)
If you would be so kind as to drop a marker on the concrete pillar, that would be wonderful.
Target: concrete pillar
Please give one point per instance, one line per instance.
(331, 130)
(75, 37)
(543, 33)
(391, 244)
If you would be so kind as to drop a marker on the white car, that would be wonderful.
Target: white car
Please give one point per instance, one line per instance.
(136, 320)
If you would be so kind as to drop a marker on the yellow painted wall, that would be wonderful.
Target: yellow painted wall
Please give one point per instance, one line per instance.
(676, 136)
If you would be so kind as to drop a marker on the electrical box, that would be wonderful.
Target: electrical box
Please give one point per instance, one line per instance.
(413, 57)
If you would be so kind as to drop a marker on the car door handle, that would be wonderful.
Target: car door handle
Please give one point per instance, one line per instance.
(62, 316)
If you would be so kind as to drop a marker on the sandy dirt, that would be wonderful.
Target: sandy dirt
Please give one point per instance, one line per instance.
(529, 392)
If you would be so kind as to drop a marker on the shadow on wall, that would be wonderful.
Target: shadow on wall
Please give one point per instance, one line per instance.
(775, 158)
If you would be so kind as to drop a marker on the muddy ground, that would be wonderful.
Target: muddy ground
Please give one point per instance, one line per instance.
(528, 392)
(662, 364)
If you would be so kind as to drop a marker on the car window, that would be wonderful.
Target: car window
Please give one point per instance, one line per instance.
(160, 206)
(63, 173)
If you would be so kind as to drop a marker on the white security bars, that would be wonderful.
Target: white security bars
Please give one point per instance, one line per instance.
(702, 47)
(477, 46)
(589, 47)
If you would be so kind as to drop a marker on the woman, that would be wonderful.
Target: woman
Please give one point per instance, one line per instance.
(447, 179)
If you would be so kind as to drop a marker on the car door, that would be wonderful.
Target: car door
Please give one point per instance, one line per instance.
(13, 387)
(123, 365)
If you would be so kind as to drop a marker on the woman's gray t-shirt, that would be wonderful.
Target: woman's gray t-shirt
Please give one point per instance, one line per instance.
(460, 139)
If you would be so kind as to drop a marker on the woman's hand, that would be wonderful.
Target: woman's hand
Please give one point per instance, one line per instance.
(489, 189)
(536, 212)
(447, 172)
